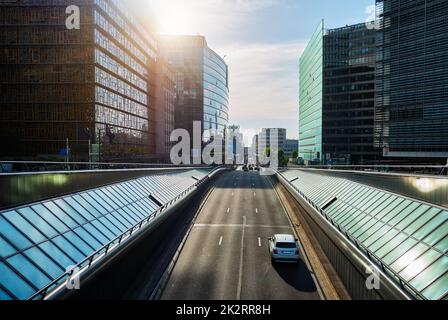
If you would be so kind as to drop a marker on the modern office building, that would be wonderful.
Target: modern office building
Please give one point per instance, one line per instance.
(164, 111)
(202, 85)
(349, 96)
(88, 88)
(337, 96)
(412, 79)
(310, 97)
(291, 146)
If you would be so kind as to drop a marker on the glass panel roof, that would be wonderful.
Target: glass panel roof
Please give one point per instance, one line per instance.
(410, 237)
(39, 241)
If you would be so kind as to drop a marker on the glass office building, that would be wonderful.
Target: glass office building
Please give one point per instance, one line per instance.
(349, 96)
(310, 99)
(337, 96)
(89, 89)
(201, 82)
(412, 78)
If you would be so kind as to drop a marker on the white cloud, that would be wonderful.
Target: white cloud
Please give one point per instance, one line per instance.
(264, 84)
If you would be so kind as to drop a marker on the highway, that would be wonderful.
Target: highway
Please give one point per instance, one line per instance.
(225, 257)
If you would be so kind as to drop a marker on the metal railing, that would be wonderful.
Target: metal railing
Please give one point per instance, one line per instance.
(109, 247)
(398, 169)
(44, 166)
(403, 284)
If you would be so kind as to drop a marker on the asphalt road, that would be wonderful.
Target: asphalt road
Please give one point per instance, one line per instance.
(226, 255)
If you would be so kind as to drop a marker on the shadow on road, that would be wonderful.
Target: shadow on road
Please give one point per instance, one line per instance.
(296, 275)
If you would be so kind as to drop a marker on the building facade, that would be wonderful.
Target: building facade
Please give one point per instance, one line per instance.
(349, 96)
(269, 137)
(310, 97)
(291, 146)
(88, 89)
(411, 109)
(337, 96)
(202, 84)
(164, 113)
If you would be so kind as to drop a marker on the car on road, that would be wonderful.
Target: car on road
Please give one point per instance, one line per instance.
(245, 168)
(284, 248)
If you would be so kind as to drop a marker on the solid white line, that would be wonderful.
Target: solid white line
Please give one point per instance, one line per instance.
(220, 241)
(259, 241)
(240, 277)
(228, 210)
(255, 194)
(256, 210)
(201, 225)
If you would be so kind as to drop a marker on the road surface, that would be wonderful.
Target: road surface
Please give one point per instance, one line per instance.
(226, 254)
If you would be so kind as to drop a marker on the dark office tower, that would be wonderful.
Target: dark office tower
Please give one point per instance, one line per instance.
(349, 95)
(90, 87)
(164, 113)
(201, 83)
(412, 79)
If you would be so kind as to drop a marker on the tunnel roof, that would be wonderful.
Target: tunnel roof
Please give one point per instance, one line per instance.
(39, 241)
(409, 237)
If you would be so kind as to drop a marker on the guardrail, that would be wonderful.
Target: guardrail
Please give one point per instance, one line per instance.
(45, 166)
(115, 243)
(403, 284)
(400, 169)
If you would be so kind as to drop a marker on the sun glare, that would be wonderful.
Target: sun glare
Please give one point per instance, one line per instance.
(175, 17)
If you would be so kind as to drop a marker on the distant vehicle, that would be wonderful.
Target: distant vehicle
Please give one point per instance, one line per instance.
(245, 168)
(300, 161)
(257, 168)
(284, 248)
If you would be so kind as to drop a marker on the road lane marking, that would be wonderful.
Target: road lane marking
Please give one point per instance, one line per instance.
(203, 225)
(240, 277)
(228, 210)
(256, 210)
(220, 241)
(259, 241)
(255, 194)
(233, 194)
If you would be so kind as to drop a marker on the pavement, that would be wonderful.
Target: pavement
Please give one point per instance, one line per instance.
(226, 255)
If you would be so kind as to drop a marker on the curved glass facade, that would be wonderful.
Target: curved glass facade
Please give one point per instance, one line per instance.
(216, 92)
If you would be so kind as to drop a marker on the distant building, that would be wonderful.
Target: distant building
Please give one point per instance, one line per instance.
(264, 138)
(236, 143)
(201, 83)
(89, 86)
(291, 146)
(412, 79)
(164, 111)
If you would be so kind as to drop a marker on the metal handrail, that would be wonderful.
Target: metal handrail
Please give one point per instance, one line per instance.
(370, 255)
(106, 249)
(38, 166)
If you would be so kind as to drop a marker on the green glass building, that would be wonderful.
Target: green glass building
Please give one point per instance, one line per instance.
(310, 100)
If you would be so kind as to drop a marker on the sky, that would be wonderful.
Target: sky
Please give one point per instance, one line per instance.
(262, 41)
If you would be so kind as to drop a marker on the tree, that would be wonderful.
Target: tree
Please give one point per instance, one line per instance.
(295, 155)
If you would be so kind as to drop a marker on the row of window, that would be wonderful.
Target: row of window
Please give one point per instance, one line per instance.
(118, 36)
(107, 80)
(126, 27)
(116, 101)
(117, 52)
(120, 119)
(113, 66)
